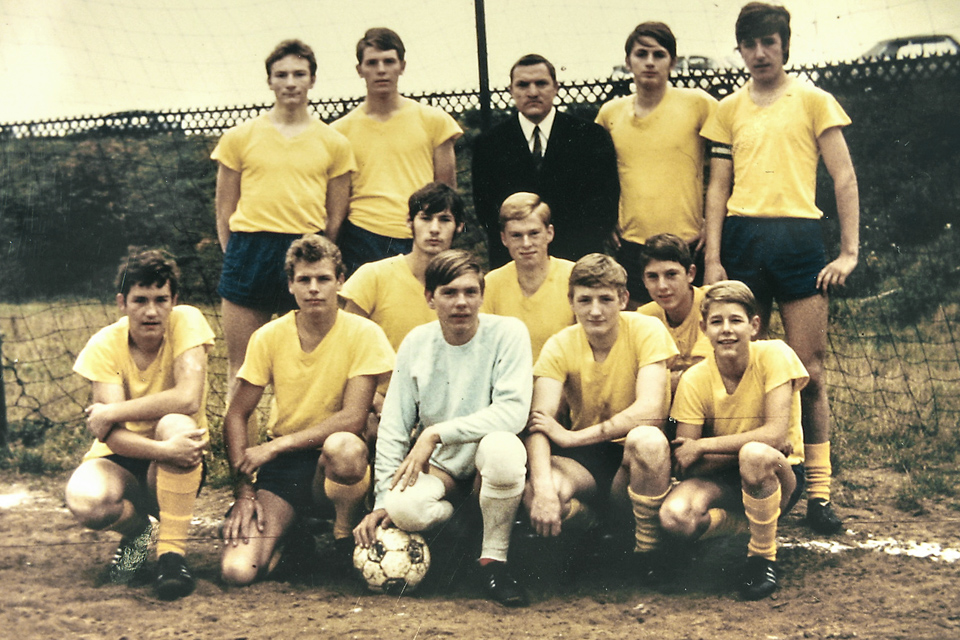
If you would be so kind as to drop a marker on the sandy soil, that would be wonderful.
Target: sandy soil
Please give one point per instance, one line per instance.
(52, 573)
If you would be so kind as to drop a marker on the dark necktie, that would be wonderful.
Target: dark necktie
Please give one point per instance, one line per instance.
(537, 148)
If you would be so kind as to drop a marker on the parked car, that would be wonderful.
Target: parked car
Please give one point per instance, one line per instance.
(913, 47)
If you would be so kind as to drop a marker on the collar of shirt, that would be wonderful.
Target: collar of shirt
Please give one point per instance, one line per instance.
(546, 125)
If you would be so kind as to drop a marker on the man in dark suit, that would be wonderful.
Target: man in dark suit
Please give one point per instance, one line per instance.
(570, 163)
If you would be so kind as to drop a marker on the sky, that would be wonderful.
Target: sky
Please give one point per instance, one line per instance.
(68, 58)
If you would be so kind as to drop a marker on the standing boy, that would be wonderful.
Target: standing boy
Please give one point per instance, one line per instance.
(280, 175)
(148, 371)
(656, 133)
(668, 273)
(400, 145)
(533, 287)
(611, 369)
(323, 364)
(763, 225)
(460, 392)
(739, 445)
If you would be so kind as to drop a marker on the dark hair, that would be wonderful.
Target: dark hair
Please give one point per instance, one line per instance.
(447, 266)
(313, 247)
(532, 59)
(598, 270)
(656, 30)
(292, 48)
(732, 292)
(758, 19)
(382, 39)
(667, 248)
(436, 197)
(147, 268)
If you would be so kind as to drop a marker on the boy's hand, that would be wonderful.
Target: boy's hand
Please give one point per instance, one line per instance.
(546, 513)
(256, 457)
(366, 532)
(417, 460)
(99, 420)
(835, 273)
(186, 449)
(244, 519)
(540, 422)
(686, 453)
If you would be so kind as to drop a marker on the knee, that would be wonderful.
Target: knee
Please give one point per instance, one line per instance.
(678, 518)
(344, 458)
(501, 459)
(647, 447)
(92, 506)
(172, 424)
(417, 507)
(758, 463)
(238, 569)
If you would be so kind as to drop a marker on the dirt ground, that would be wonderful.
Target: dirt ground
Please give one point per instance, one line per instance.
(52, 575)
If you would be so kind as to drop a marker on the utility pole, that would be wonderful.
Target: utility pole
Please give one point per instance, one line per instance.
(482, 65)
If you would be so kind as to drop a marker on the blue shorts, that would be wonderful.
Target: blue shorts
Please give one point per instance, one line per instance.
(778, 258)
(253, 275)
(290, 477)
(601, 460)
(359, 246)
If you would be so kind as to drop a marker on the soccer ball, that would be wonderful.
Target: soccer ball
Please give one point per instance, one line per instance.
(396, 562)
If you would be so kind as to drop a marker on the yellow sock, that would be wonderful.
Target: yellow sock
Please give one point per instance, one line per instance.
(725, 523)
(762, 514)
(176, 495)
(646, 513)
(818, 469)
(347, 500)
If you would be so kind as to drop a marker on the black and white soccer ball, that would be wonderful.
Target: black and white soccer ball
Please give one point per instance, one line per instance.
(395, 563)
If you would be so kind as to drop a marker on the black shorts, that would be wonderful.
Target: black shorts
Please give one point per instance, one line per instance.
(778, 258)
(601, 460)
(253, 274)
(140, 468)
(732, 477)
(290, 477)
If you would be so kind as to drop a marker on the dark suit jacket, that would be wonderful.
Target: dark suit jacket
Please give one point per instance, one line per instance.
(577, 179)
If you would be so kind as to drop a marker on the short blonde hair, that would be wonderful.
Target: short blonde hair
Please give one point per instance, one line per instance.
(729, 291)
(523, 204)
(598, 270)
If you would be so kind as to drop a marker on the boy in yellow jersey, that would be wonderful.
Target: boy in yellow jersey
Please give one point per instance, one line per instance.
(660, 154)
(762, 222)
(400, 145)
(668, 273)
(739, 444)
(148, 372)
(323, 364)
(611, 370)
(280, 175)
(533, 287)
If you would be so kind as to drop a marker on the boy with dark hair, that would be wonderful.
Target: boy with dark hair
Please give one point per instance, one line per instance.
(660, 152)
(314, 454)
(399, 144)
(739, 439)
(460, 393)
(533, 286)
(762, 222)
(280, 175)
(148, 375)
(611, 369)
(668, 274)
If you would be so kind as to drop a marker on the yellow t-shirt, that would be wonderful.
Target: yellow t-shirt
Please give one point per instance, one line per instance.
(106, 358)
(391, 295)
(660, 161)
(688, 336)
(308, 387)
(703, 400)
(597, 391)
(283, 181)
(775, 149)
(545, 312)
(394, 159)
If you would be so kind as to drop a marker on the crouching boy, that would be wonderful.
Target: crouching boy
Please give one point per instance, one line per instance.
(323, 364)
(739, 445)
(148, 372)
(460, 392)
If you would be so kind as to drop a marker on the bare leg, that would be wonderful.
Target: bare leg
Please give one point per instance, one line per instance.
(239, 323)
